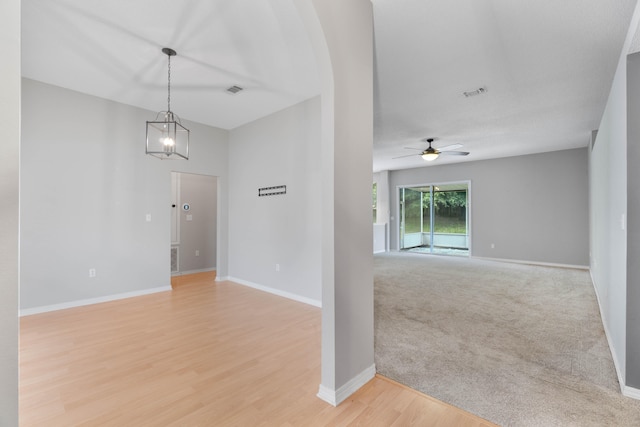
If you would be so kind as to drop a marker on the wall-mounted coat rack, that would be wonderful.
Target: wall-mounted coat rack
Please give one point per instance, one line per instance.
(272, 191)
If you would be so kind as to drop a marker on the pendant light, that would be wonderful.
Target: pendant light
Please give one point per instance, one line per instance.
(166, 137)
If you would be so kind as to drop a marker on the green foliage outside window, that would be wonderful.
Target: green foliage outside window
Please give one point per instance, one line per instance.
(450, 211)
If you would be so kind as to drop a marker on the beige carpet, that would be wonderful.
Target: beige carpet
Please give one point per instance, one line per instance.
(516, 344)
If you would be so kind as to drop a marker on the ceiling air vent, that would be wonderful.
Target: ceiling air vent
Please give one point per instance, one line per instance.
(476, 92)
(234, 89)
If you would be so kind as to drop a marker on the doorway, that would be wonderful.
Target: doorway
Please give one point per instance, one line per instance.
(434, 218)
(194, 213)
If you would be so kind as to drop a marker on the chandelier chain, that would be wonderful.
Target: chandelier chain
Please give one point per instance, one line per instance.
(169, 85)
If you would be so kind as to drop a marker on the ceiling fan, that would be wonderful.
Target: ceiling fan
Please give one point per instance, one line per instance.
(431, 153)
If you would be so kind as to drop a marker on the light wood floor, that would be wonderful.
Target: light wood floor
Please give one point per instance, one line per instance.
(204, 354)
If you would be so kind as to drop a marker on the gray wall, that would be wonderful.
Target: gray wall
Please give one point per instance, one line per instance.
(608, 209)
(86, 188)
(199, 233)
(633, 223)
(341, 34)
(280, 149)
(532, 208)
(10, 125)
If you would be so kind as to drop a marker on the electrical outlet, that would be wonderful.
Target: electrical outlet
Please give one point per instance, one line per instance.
(92, 272)
(277, 267)
(493, 246)
(197, 252)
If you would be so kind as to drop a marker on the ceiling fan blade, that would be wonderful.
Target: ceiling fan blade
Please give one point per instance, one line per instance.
(450, 147)
(455, 153)
(411, 148)
(408, 155)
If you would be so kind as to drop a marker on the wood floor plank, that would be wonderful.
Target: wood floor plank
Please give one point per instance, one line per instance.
(205, 353)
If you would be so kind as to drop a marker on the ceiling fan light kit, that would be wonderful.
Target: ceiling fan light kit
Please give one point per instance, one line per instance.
(430, 156)
(166, 137)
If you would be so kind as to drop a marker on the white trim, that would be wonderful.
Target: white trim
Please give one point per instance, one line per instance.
(326, 394)
(289, 295)
(222, 278)
(631, 392)
(90, 301)
(336, 397)
(507, 260)
(543, 264)
(202, 270)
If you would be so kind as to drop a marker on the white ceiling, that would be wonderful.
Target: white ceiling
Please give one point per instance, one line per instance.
(547, 65)
(112, 49)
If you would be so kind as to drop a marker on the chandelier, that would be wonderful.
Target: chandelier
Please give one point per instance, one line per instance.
(166, 137)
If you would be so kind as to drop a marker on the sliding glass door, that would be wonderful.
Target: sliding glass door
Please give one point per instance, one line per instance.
(434, 218)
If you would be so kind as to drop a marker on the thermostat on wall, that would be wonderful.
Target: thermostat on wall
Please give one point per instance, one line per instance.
(186, 207)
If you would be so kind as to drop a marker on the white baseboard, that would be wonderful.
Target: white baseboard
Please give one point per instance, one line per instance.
(202, 270)
(278, 292)
(338, 396)
(328, 395)
(543, 264)
(631, 392)
(90, 301)
(222, 278)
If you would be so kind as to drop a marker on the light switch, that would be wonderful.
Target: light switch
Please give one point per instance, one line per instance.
(189, 217)
(148, 218)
